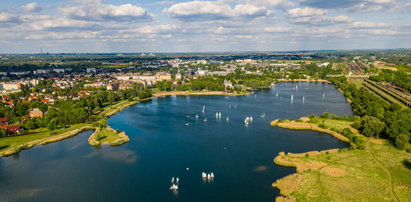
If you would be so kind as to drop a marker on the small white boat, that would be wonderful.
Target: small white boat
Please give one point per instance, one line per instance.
(227, 119)
(187, 169)
(203, 109)
(212, 175)
(187, 124)
(196, 116)
(216, 115)
(208, 176)
(203, 175)
(205, 120)
(251, 119)
(262, 115)
(172, 180)
(174, 187)
(177, 180)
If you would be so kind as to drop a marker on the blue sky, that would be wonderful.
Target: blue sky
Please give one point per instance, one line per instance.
(202, 26)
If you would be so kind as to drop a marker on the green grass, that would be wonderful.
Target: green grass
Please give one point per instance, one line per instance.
(37, 134)
(107, 135)
(354, 175)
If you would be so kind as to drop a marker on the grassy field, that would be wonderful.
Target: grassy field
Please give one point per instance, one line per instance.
(347, 175)
(303, 124)
(380, 172)
(108, 136)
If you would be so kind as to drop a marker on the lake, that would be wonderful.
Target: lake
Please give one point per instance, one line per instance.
(166, 139)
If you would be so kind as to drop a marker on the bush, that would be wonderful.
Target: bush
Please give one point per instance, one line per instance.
(307, 155)
(325, 115)
(322, 126)
(347, 133)
(359, 142)
(401, 141)
(298, 120)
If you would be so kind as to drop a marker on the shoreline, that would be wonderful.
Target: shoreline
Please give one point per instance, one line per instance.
(304, 80)
(188, 93)
(292, 125)
(110, 111)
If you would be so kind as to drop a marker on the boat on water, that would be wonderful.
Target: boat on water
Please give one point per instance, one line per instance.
(262, 115)
(227, 119)
(196, 116)
(172, 180)
(203, 109)
(177, 180)
(174, 187)
(205, 120)
(203, 175)
(212, 175)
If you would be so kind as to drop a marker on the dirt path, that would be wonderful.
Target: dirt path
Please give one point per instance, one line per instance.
(368, 149)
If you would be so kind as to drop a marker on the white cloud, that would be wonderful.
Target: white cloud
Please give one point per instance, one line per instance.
(62, 24)
(213, 10)
(7, 17)
(305, 12)
(277, 29)
(31, 7)
(368, 25)
(271, 3)
(96, 11)
(314, 16)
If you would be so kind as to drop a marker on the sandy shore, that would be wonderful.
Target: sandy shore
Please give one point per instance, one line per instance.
(305, 80)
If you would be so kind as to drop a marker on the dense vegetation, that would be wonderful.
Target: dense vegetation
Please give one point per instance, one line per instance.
(378, 118)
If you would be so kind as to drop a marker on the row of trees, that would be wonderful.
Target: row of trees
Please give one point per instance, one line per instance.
(378, 118)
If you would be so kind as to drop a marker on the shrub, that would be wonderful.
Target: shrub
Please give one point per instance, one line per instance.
(298, 120)
(322, 126)
(307, 155)
(358, 142)
(325, 115)
(401, 141)
(347, 133)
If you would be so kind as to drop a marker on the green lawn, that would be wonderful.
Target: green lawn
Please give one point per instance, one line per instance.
(37, 134)
(348, 175)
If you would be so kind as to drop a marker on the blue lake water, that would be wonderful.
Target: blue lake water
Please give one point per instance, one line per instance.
(166, 138)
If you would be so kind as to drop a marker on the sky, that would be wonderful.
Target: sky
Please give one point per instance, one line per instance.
(126, 26)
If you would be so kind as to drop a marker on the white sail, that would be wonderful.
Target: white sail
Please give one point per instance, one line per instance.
(262, 115)
(212, 175)
(203, 109)
(177, 180)
(303, 99)
(208, 176)
(203, 175)
(292, 97)
(172, 180)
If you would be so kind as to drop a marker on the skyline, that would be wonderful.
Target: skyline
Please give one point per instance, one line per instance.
(202, 26)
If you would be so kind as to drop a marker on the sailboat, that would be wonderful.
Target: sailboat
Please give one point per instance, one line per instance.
(292, 98)
(172, 180)
(303, 99)
(227, 119)
(177, 180)
(262, 115)
(196, 116)
(203, 175)
(323, 96)
(276, 95)
(174, 187)
(203, 109)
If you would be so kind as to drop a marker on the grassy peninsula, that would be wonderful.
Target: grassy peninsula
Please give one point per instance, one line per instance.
(371, 169)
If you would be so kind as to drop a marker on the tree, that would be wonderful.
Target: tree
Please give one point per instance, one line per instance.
(401, 141)
(371, 126)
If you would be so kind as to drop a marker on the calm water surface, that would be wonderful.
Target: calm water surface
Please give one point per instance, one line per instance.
(165, 139)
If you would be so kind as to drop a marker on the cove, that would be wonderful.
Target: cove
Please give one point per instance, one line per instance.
(166, 138)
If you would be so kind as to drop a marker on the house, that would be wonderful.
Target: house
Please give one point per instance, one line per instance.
(228, 84)
(4, 120)
(14, 129)
(35, 113)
